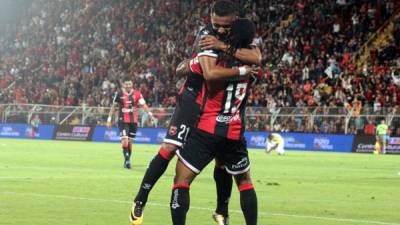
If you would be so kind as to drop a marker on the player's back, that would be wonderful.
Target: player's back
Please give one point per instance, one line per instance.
(277, 138)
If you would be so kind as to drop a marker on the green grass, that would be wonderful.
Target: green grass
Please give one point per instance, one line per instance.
(83, 183)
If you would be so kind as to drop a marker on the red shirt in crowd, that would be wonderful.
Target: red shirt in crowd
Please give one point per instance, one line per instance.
(369, 129)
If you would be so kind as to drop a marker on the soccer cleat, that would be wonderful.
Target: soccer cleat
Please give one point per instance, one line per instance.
(127, 164)
(220, 219)
(136, 216)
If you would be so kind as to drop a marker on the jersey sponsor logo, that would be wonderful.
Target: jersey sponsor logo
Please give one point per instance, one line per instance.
(228, 118)
(242, 163)
(172, 130)
(175, 203)
(126, 110)
(146, 186)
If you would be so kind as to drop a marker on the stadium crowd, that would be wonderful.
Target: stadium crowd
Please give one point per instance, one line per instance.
(74, 53)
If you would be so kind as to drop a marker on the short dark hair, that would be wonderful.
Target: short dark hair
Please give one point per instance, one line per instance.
(126, 78)
(224, 8)
(241, 35)
(243, 32)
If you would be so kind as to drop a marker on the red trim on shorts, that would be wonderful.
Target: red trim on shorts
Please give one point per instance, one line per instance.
(163, 153)
(181, 186)
(245, 187)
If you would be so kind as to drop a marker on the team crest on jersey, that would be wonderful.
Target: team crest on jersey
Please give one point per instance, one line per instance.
(172, 130)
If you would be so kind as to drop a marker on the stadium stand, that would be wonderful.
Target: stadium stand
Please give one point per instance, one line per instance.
(74, 53)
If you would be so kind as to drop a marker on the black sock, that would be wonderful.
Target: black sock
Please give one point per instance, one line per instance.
(156, 169)
(125, 151)
(248, 203)
(180, 201)
(223, 182)
(130, 151)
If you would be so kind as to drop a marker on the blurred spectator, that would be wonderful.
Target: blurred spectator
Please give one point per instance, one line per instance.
(75, 52)
(370, 128)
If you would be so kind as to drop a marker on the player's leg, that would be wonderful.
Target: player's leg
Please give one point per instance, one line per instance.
(223, 182)
(234, 156)
(268, 147)
(124, 132)
(130, 147)
(155, 170)
(248, 198)
(195, 155)
(158, 165)
(132, 129)
(180, 197)
(280, 150)
(125, 151)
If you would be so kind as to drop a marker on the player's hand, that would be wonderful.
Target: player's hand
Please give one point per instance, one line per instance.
(252, 70)
(211, 42)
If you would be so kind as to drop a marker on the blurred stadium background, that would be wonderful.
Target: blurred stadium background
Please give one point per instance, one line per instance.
(331, 72)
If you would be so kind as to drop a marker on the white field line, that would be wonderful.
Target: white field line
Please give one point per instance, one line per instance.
(264, 214)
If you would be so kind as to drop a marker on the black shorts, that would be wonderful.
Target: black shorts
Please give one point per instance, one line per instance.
(201, 148)
(184, 118)
(127, 130)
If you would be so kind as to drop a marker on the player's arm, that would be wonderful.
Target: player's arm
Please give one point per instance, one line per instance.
(274, 146)
(249, 56)
(109, 118)
(183, 69)
(211, 71)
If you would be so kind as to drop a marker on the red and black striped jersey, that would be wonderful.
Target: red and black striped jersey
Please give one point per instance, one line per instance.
(128, 104)
(224, 106)
(224, 109)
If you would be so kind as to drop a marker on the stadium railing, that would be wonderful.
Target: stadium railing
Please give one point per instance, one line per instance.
(293, 119)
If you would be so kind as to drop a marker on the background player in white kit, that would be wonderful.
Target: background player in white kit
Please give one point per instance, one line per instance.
(275, 142)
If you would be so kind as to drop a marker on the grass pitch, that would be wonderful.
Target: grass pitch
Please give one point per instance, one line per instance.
(83, 183)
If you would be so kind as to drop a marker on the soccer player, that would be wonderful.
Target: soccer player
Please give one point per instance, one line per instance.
(381, 135)
(187, 112)
(127, 100)
(275, 142)
(220, 131)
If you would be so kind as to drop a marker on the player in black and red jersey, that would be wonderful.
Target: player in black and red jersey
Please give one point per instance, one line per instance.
(220, 130)
(187, 112)
(128, 100)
